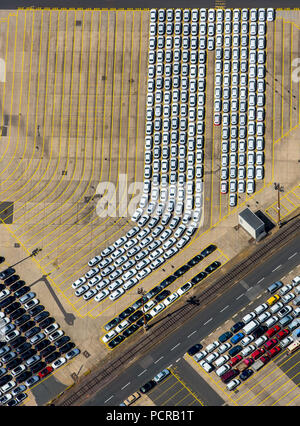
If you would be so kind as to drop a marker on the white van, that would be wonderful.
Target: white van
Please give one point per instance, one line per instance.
(222, 370)
(220, 361)
(250, 326)
(297, 289)
(296, 281)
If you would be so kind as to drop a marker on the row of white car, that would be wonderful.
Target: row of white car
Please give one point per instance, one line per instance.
(212, 15)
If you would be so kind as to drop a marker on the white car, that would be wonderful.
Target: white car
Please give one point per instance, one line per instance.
(51, 328)
(260, 341)
(109, 336)
(183, 289)
(264, 317)
(288, 297)
(89, 294)
(249, 317)
(116, 294)
(248, 350)
(149, 305)
(285, 289)
(81, 290)
(157, 309)
(286, 341)
(250, 186)
(79, 282)
(59, 362)
(4, 293)
(224, 347)
(212, 357)
(122, 326)
(31, 304)
(94, 261)
(246, 340)
(171, 298)
(55, 335)
(212, 346)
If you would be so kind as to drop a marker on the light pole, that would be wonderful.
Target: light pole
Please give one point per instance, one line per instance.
(143, 292)
(279, 189)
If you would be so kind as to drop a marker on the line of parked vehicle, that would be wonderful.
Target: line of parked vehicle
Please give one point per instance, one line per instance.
(239, 98)
(254, 340)
(31, 340)
(132, 318)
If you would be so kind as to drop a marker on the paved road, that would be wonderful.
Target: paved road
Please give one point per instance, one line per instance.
(225, 307)
(5, 4)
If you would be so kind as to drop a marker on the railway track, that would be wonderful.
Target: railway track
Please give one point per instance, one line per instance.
(111, 369)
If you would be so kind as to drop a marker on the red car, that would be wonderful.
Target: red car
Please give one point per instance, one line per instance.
(248, 361)
(256, 354)
(274, 351)
(45, 372)
(272, 331)
(235, 360)
(265, 359)
(270, 343)
(282, 333)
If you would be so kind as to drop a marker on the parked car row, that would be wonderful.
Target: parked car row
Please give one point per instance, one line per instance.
(32, 340)
(132, 318)
(253, 341)
(239, 101)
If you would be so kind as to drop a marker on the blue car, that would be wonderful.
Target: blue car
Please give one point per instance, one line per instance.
(237, 338)
(246, 374)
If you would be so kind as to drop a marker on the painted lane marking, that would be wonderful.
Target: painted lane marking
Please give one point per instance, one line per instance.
(192, 333)
(175, 346)
(125, 386)
(109, 399)
(155, 362)
(227, 306)
(210, 319)
(260, 280)
(279, 266)
(292, 256)
(144, 371)
(237, 298)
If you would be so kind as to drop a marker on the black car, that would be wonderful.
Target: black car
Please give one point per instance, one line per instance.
(161, 296)
(22, 291)
(138, 303)
(16, 286)
(166, 282)
(2, 287)
(61, 341)
(40, 317)
(126, 313)
(116, 341)
(52, 357)
(147, 386)
(23, 348)
(12, 279)
(199, 277)
(18, 341)
(2, 259)
(23, 376)
(38, 367)
(67, 347)
(208, 250)
(16, 314)
(26, 355)
(181, 271)
(5, 379)
(111, 324)
(135, 316)
(237, 326)
(259, 331)
(235, 350)
(6, 273)
(12, 308)
(36, 310)
(130, 330)
(7, 301)
(32, 331)
(27, 326)
(225, 336)
(194, 349)
(246, 374)
(47, 351)
(22, 319)
(46, 322)
(195, 260)
(212, 267)
(14, 363)
(41, 345)
(140, 322)
(153, 292)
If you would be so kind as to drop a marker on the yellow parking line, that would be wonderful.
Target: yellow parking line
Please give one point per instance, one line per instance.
(188, 389)
(297, 396)
(279, 388)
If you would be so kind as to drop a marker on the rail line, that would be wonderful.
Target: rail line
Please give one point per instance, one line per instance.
(111, 369)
